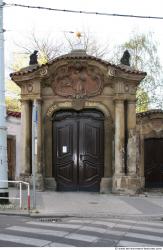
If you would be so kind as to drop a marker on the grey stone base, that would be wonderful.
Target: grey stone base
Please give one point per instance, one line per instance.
(106, 185)
(38, 179)
(127, 184)
(50, 183)
(39, 182)
(24, 177)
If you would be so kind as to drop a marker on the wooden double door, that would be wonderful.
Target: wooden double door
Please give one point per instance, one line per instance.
(78, 146)
(153, 162)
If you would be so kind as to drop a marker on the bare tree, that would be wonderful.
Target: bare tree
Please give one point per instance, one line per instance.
(88, 42)
(48, 48)
(142, 47)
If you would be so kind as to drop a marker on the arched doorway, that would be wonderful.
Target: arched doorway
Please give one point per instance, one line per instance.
(78, 150)
(153, 162)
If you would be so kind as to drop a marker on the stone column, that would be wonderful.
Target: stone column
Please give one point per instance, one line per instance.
(119, 137)
(25, 138)
(131, 145)
(39, 172)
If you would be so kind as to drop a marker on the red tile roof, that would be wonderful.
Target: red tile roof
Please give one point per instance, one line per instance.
(77, 55)
(14, 114)
(149, 112)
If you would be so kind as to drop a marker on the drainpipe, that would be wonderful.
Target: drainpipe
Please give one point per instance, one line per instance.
(3, 129)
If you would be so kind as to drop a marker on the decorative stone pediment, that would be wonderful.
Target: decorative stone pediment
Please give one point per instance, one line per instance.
(77, 80)
(31, 89)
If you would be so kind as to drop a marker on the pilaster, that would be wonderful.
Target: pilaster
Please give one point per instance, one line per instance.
(131, 144)
(39, 170)
(119, 137)
(26, 137)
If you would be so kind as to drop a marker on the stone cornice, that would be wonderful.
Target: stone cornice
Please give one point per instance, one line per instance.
(114, 71)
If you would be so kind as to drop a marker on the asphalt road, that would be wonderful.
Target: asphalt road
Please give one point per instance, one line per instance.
(18, 231)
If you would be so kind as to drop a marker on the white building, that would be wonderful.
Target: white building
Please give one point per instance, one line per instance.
(13, 123)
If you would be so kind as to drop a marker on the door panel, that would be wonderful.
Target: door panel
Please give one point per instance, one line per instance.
(91, 154)
(65, 149)
(79, 153)
(153, 163)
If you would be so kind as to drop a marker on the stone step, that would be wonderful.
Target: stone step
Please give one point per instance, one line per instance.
(50, 184)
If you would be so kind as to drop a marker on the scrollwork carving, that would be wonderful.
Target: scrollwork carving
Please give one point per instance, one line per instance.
(43, 71)
(111, 72)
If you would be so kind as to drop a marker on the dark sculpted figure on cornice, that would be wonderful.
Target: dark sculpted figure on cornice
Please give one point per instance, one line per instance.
(125, 60)
(33, 58)
(77, 80)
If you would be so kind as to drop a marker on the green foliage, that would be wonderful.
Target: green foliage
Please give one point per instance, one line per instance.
(13, 104)
(12, 96)
(144, 57)
(142, 101)
(12, 88)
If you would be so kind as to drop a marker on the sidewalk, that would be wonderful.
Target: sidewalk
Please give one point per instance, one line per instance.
(80, 204)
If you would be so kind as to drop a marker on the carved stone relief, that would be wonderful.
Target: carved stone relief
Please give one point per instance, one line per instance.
(30, 89)
(77, 81)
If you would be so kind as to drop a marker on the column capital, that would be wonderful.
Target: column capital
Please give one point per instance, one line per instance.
(24, 100)
(118, 100)
(38, 100)
(132, 101)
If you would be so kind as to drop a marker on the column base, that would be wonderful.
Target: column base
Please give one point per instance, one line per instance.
(39, 182)
(50, 183)
(23, 177)
(28, 178)
(127, 184)
(106, 185)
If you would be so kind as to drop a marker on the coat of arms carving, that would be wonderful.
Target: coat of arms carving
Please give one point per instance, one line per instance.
(77, 81)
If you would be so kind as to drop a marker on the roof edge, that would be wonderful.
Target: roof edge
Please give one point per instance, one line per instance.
(77, 55)
(149, 112)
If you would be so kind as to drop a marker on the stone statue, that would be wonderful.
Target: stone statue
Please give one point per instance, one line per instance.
(125, 58)
(33, 58)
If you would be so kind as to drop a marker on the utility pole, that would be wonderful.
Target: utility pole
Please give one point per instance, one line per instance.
(34, 149)
(3, 129)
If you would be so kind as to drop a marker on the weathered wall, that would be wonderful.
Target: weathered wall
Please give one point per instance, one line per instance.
(149, 125)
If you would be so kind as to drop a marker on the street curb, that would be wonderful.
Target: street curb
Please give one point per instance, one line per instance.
(64, 215)
(141, 217)
(16, 213)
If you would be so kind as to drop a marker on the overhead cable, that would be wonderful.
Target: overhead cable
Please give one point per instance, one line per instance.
(80, 11)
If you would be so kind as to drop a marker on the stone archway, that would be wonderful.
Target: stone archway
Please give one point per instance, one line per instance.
(106, 181)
